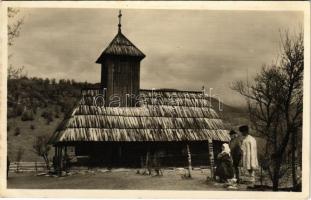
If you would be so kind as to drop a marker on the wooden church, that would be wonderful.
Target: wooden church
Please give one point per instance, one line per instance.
(141, 124)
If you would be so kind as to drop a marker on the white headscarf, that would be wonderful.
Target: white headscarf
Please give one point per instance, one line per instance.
(225, 148)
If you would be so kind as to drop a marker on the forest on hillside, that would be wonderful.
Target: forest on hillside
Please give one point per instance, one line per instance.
(26, 95)
(35, 107)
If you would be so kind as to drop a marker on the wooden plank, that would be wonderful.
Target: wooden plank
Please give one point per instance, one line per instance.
(148, 167)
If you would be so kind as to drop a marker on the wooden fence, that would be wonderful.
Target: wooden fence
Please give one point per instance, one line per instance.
(27, 167)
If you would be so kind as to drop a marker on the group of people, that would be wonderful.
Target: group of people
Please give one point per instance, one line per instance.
(241, 151)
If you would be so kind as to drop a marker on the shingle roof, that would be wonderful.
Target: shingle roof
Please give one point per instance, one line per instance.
(120, 46)
(189, 117)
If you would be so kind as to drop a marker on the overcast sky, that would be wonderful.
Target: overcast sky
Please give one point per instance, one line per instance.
(184, 49)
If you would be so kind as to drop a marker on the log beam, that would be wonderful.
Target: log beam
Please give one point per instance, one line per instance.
(189, 161)
(211, 157)
(148, 167)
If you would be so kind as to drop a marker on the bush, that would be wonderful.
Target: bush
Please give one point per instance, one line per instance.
(17, 131)
(11, 113)
(43, 114)
(19, 110)
(56, 115)
(57, 112)
(48, 115)
(27, 115)
(49, 119)
(67, 105)
(34, 109)
(42, 148)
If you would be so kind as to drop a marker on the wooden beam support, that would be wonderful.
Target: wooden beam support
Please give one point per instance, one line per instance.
(60, 163)
(141, 162)
(56, 160)
(211, 158)
(148, 169)
(66, 151)
(189, 161)
(66, 161)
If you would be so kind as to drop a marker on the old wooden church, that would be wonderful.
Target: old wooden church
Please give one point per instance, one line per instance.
(119, 124)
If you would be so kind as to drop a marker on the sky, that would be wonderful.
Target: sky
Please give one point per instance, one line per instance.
(185, 49)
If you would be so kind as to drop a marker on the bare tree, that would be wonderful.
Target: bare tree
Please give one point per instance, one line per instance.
(265, 115)
(275, 106)
(15, 26)
(291, 98)
(19, 156)
(42, 149)
(14, 73)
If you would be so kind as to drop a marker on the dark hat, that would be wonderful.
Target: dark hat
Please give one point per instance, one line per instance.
(232, 132)
(243, 128)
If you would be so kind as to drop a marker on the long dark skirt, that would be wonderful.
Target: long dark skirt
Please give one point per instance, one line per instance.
(224, 168)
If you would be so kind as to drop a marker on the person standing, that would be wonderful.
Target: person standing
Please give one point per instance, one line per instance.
(236, 152)
(249, 152)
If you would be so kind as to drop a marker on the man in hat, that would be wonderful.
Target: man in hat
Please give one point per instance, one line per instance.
(236, 152)
(249, 152)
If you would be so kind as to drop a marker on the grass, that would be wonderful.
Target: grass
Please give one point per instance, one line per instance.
(27, 135)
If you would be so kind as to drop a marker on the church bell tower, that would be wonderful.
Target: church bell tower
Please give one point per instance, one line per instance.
(120, 71)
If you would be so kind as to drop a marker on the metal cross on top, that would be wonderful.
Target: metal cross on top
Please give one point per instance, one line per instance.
(119, 25)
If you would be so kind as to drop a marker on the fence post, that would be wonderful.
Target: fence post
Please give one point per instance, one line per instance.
(17, 167)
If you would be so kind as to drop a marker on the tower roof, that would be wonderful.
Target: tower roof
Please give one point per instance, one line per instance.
(120, 46)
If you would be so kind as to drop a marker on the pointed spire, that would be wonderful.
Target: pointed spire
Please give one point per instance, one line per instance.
(119, 25)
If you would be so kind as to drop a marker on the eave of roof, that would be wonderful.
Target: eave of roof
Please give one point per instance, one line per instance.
(192, 119)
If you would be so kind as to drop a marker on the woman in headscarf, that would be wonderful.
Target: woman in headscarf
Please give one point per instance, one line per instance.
(224, 169)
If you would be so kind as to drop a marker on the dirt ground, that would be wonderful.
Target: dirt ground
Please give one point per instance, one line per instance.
(117, 179)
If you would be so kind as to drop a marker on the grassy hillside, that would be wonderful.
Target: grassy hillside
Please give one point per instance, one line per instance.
(35, 108)
(29, 130)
